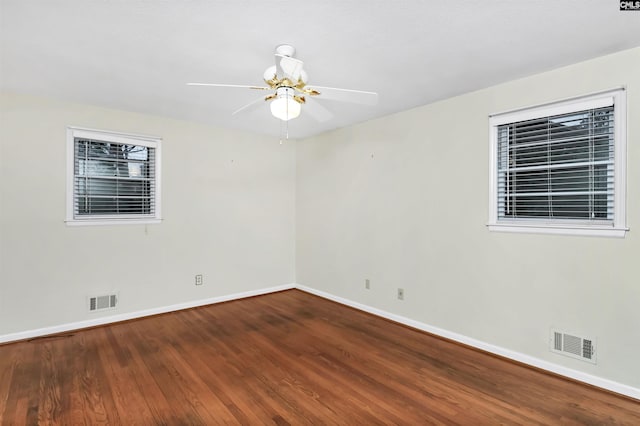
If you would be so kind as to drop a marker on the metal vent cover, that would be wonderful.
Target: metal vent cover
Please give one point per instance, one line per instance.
(102, 302)
(578, 347)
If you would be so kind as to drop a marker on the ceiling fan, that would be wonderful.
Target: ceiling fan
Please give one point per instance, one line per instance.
(287, 82)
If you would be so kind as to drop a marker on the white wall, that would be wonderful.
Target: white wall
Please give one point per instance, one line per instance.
(403, 201)
(227, 203)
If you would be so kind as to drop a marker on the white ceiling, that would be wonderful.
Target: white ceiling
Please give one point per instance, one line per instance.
(137, 55)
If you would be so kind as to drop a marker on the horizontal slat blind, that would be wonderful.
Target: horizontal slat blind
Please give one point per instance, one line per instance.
(557, 167)
(113, 179)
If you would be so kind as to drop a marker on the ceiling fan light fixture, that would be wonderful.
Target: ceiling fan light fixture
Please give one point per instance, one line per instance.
(284, 107)
(286, 82)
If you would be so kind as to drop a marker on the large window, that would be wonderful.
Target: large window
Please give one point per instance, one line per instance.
(112, 177)
(560, 167)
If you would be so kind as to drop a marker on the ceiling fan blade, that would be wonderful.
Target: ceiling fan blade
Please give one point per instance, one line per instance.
(250, 106)
(317, 111)
(229, 85)
(288, 67)
(346, 95)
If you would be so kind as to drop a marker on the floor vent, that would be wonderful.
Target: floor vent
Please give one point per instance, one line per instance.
(104, 302)
(583, 348)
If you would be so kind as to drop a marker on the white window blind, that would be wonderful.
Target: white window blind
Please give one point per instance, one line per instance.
(114, 177)
(558, 167)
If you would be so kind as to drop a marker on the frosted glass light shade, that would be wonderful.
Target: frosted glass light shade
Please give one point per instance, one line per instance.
(284, 106)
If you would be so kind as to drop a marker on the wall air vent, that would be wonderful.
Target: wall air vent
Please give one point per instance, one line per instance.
(103, 302)
(578, 347)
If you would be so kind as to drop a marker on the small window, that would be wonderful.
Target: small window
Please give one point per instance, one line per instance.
(560, 168)
(112, 178)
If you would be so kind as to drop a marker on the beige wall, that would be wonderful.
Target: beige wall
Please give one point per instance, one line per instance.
(403, 201)
(227, 204)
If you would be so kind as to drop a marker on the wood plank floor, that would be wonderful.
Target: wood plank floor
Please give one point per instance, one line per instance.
(284, 358)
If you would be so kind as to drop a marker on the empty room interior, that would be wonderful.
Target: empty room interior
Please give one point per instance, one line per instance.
(323, 212)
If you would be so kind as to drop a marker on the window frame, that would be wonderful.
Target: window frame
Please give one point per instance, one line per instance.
(120, 138)
(618, 226)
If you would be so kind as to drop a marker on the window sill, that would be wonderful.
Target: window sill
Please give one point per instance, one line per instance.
(103, 222)
(585, 230)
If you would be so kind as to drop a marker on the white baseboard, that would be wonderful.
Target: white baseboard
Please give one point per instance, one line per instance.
(487, 347)
(30, 334)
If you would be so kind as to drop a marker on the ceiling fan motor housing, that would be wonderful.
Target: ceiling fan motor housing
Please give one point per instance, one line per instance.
(270, 73)
(286, 50)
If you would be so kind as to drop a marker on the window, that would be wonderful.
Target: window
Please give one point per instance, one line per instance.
(560, 168)
(112, 178)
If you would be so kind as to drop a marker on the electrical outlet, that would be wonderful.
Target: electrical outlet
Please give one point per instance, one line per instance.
(400, 294)
(367, 285)
(199, 279)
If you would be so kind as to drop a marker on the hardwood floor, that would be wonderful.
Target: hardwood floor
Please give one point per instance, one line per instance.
(284, 358)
